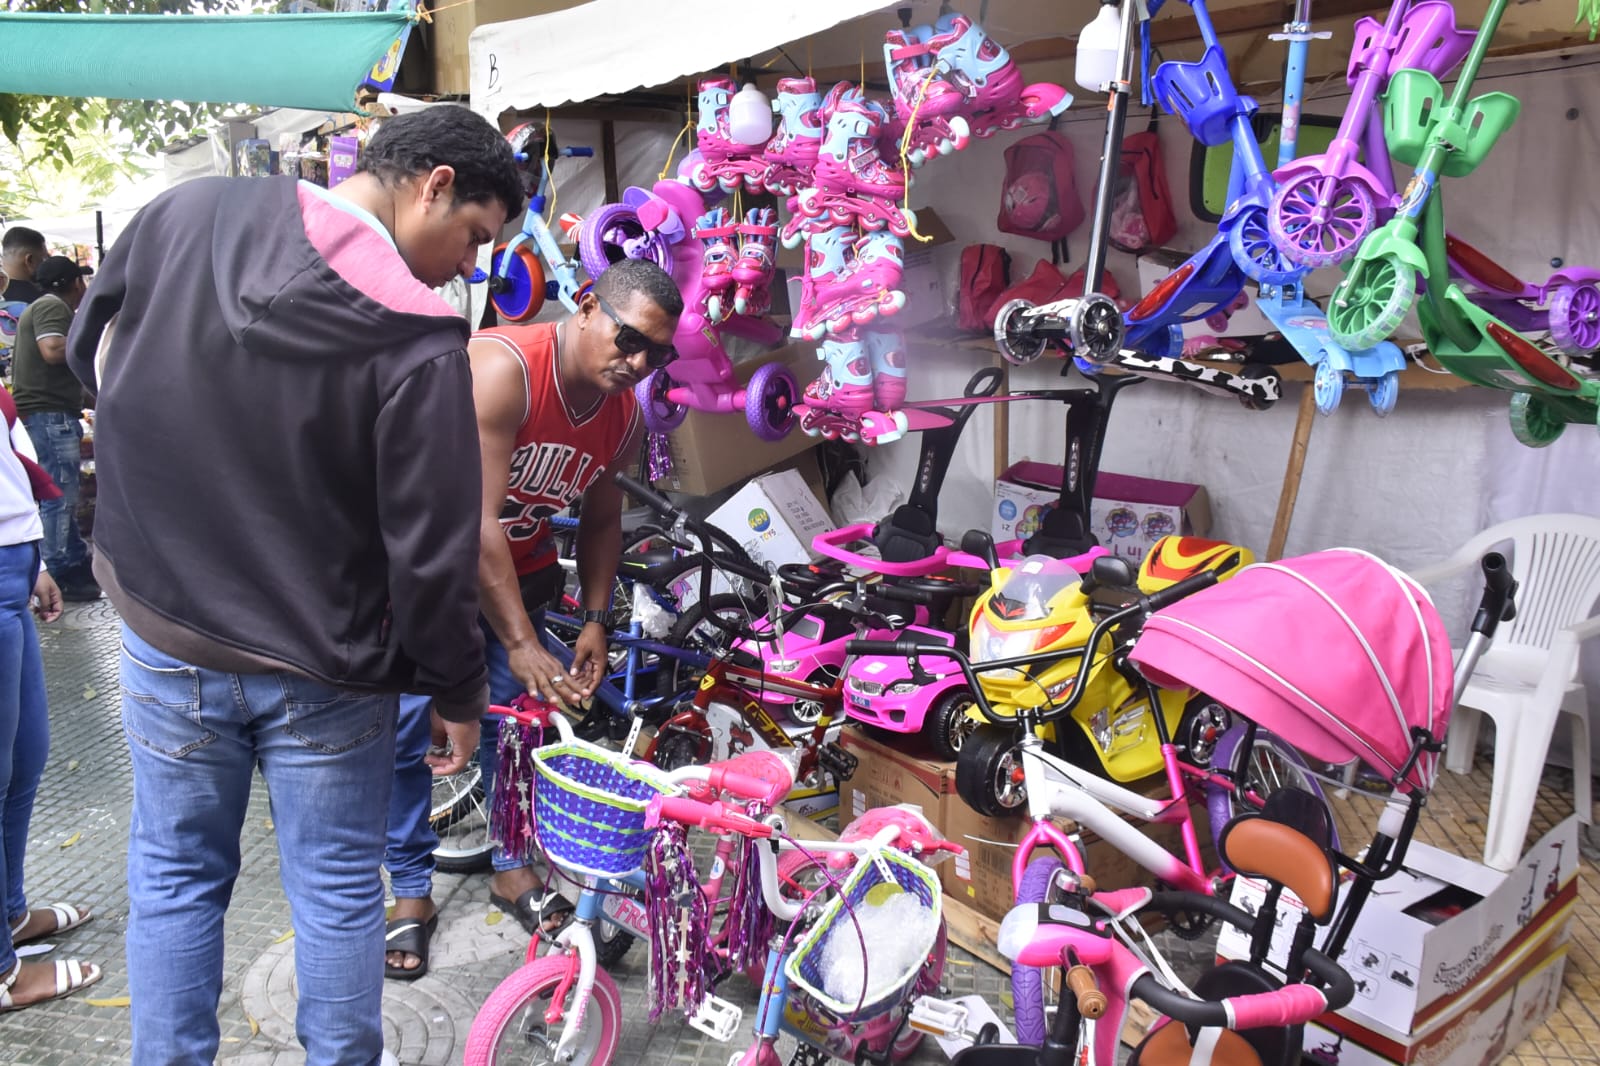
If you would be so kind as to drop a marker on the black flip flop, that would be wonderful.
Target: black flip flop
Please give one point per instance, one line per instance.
(412, 937)
(535, 907)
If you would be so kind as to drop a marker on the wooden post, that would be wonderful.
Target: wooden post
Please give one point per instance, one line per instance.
(1291, 476)
(608, 150)
(1002, 424)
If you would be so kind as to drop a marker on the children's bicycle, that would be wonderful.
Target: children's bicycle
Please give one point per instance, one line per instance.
(1027, 772)
(1237, 1014)
(518, 282)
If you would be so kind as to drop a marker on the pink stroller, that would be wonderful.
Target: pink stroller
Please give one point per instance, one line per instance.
(1361, 672)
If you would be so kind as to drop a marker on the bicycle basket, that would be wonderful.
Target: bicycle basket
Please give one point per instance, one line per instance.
(589, 808)
(887, 980)
(1203, 96)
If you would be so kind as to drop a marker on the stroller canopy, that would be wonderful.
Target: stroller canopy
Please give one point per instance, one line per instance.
(1337, 652)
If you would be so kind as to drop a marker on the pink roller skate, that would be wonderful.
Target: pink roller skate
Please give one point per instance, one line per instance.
(716, 273)
(791, 155)
(723, 160)
(832, 409)
(852, 182)
(839, 293)
(923, 99)
(752, 272)
(996, 98)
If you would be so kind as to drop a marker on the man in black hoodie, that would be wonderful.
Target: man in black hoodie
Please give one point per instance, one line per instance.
(287, 522)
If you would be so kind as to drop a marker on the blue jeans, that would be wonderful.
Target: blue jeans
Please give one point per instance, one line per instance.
(327, 755)
(58, 438)
(408, 855)
(24, 731)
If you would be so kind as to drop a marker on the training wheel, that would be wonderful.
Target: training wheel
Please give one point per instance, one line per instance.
(661, 415)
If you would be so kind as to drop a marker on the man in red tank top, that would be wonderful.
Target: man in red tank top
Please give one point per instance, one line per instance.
(556, 416)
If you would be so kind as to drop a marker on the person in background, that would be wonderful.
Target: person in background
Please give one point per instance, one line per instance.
(287, 523)
(25, 730)
(556, 417)
(21, 251)
(50, 403)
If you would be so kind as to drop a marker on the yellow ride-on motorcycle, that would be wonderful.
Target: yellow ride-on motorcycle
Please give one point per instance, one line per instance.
(1036, 605)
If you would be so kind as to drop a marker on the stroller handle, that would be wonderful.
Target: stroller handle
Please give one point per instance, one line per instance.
(1499, 603)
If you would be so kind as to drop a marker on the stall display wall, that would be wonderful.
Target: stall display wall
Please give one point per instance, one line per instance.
(1410, 487)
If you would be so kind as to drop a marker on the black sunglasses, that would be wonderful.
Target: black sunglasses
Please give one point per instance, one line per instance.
(631, 342)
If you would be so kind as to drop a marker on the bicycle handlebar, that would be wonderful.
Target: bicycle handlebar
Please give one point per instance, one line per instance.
(1091, 1001)
(714, 815)
(647, 496)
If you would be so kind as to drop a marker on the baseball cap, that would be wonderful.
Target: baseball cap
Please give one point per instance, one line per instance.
(57, 272)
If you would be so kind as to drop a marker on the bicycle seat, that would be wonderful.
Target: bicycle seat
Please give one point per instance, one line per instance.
(1171, 1045)
(654, 566)
(1258, 845)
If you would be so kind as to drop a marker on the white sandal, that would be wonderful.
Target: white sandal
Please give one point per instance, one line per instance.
(66, 915)
(71, 975)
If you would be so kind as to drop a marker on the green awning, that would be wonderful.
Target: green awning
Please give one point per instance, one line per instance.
(312, 61)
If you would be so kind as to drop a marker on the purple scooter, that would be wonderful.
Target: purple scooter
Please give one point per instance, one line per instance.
(1326, 204)
(1567, 304)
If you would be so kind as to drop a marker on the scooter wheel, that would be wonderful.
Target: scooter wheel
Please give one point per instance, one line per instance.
(1327, 385)
(1016, 346)
(1575, 318)
(1533, 422)
(661, 415)
(1097, 328)
(1371, 302)
(986, 772)
(1352, 214)
(1250, 244)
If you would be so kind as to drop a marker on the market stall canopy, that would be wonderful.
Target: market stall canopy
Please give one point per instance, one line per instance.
(313, 61)
(608, 47)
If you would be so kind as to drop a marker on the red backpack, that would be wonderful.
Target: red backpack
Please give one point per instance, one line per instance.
(1039, 197)
(985, 273)
(1141, 212)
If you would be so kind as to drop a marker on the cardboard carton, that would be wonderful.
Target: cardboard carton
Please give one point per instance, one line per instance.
(886, 776)
(1128, 514)
(774, 518)
(1442, 939)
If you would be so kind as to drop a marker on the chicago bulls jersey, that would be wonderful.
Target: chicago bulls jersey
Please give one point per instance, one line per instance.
(558, 452)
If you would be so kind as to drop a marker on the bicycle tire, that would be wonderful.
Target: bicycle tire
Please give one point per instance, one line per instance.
(1027, 982)
(519, 993)
(1222, 803)
(462, 825)
(673, 677)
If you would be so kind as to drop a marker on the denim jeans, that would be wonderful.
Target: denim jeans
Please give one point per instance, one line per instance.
(327, 755)
(408, 855)
(24, 731)
(58, 438)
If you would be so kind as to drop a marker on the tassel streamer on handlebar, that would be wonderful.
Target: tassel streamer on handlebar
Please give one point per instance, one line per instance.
(658, 457)
(679, 925)
(750, 922)
(511, 806)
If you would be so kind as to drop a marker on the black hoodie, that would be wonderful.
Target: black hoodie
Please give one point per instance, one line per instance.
(287, 462)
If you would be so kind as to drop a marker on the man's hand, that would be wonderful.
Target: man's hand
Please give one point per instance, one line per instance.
(47, 598)
(589, 659)
(458, 741)
(543, 675)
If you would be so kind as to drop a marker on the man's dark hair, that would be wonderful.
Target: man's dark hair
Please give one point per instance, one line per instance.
(622, 280)
(410, 145)
(22, 239)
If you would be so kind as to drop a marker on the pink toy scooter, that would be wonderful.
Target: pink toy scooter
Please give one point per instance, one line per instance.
(702, 376)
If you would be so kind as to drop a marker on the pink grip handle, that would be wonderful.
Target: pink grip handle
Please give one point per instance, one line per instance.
(1290, 1005)
(710, 815)
(745, 786)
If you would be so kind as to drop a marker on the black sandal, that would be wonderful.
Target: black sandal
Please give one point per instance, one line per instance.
(541, 911)
(413, 937)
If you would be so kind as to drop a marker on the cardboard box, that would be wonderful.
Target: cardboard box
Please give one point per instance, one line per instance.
(1441, 936)
(713, 451)
(1128, 514)
(774, 518)
(886, 776)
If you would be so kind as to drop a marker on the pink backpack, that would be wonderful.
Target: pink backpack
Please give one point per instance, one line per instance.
(1039, 197)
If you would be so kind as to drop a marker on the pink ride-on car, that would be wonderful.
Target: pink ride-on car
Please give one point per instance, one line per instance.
(893, 694)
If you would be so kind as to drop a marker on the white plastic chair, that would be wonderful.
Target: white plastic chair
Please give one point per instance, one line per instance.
(1528, 677)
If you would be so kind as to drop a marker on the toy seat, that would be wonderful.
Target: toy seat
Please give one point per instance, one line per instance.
(1411, 107)
(1202, 95)
(1528, 678)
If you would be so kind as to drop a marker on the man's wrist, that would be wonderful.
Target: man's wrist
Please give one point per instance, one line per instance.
(592, 617)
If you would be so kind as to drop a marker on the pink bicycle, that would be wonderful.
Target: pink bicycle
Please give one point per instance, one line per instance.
(1237, 1014)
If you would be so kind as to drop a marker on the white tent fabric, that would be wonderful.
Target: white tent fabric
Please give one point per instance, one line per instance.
(612, 46)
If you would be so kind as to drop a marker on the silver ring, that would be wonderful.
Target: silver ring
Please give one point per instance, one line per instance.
(558, 679)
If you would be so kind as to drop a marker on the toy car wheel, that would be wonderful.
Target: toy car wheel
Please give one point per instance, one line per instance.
(1016, 346)
(1204, 722)
(600, 242)
(769, 402)
(807, 711)
(1533, 422)
(949, 725)
(989, 773)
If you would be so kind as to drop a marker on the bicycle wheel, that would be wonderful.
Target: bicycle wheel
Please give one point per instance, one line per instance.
(1030, 987)
(1268, 766)
(693, 631)
(510, 1026)
(460, 816)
